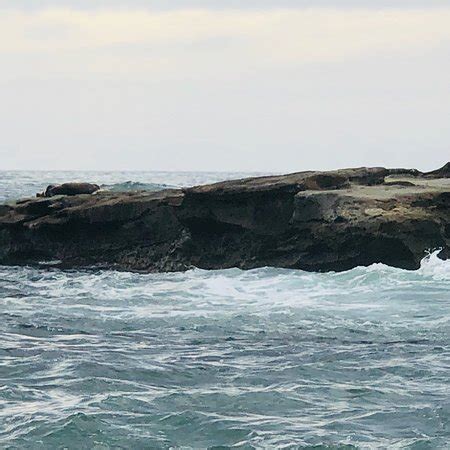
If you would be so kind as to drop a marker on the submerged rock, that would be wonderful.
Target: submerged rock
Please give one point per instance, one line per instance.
(309, 220)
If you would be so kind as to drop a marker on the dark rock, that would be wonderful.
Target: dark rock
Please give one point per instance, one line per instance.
(324, 181)
(443, 172)
(308, 220)
(69, 189)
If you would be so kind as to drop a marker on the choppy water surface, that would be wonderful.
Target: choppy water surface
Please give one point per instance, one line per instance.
(267, 358)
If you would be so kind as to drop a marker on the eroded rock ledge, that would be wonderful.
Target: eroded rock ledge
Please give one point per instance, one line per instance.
(314, 221)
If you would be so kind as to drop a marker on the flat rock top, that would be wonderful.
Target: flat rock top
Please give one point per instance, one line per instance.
(377, 183)
(292, 180)
(390, 189)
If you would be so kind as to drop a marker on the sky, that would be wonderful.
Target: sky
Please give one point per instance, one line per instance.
(206, 85)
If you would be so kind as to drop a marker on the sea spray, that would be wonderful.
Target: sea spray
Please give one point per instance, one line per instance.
(432, 265)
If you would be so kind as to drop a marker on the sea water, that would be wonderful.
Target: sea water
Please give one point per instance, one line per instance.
(265, 358)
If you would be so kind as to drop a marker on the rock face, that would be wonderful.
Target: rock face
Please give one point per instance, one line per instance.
(314, 221)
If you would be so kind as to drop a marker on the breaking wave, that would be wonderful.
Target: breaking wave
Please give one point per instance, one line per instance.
(130, 186)
(435, 267)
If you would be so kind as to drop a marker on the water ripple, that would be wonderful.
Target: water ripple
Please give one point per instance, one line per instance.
(264, 358)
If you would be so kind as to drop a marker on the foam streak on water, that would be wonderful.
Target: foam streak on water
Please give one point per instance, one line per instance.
(264, 358)
(267, 358)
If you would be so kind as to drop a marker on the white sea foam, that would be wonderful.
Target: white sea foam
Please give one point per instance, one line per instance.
(433, 266)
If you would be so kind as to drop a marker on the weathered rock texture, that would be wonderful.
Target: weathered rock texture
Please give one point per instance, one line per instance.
(309, 220)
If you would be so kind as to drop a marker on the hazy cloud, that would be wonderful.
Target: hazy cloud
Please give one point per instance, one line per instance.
(220, 4)
(200, 44)
(208, 89)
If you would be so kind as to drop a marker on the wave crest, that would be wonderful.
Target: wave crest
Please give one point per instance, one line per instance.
(434, 266)
(130, 186)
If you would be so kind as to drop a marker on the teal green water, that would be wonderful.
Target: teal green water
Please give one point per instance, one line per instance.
(267, 358)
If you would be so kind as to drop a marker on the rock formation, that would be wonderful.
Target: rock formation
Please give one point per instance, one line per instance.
(69, 189)
(315, 221)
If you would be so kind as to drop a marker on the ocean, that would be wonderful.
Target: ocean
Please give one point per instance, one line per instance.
(265, 358)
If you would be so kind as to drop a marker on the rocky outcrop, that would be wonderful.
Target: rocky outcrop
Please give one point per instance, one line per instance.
(69, 189)
(443, 172)
(314, 221)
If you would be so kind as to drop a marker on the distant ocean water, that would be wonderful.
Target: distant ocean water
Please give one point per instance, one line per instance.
(26, 183)
(266, 358)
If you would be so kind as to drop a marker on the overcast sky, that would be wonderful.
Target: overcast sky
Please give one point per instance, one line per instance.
(273, 86)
